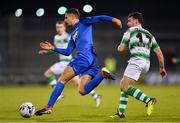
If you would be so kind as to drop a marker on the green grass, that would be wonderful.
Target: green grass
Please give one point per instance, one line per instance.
(76, 108)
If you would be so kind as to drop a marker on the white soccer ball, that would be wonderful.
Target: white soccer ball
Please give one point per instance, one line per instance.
(27, 110)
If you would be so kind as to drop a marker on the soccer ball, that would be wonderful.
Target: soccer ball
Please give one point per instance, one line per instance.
(27, 110)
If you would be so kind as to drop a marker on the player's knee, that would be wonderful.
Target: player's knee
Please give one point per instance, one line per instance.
(123, 85)
(48, 73)
(124, 89)
(82, 91)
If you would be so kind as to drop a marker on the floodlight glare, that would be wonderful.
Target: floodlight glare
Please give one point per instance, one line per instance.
(18, 12)
(62, 10)
(87, 8)
(40, 12)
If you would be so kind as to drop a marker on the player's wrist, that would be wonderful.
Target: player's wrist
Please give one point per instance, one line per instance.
(162, 67)
(53, 48)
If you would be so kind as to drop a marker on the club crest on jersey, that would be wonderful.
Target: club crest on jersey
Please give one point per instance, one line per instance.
(75, 35)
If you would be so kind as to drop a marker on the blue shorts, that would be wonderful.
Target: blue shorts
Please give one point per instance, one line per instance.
(85, 64)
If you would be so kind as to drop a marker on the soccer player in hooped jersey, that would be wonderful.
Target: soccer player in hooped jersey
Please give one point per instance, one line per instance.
(84, 62)
(140, 42)
(61, 40)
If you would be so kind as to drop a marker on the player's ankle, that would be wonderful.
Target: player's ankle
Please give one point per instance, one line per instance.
(49, 107)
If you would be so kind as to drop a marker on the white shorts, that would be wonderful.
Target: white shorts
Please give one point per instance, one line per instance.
(59, 67)
(136, 67)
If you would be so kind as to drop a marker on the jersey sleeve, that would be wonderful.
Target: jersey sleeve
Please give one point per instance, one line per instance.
(71, 46)
(125, 39)
(154, 44)
(95, 19)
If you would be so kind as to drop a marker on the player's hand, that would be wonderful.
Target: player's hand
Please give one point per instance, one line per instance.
(117, 22)
(43, 52)
(46, 45)
(163, 72)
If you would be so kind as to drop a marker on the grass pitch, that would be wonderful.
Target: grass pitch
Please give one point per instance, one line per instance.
(76, 108)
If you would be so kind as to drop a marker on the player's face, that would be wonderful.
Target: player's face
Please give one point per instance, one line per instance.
(132, 22)
(60, 28)
(69, 19)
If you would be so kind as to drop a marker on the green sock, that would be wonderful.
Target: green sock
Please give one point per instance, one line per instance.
(123, 102)
(94, 94)
(138, 94)
(51, 80)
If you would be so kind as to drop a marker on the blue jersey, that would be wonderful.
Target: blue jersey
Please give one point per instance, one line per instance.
(81, 39)
(82, 34)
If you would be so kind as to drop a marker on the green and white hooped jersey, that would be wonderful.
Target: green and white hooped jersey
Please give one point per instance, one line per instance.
(140, 42)
(61, 41)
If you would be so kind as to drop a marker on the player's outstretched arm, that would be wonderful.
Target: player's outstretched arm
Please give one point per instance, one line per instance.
(71, 46)
(95, 19)
(160, 56)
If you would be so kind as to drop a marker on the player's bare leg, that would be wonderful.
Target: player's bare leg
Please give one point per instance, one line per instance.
(93, 93)
(67, 75)
(127, 89)
(50, 76)
(84, 79)
(88, 83)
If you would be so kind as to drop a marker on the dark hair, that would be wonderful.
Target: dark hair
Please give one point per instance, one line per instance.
(74, 11)
(60, 22)
(137, 15)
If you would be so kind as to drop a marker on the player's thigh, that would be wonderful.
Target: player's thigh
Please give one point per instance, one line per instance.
(84, 79)
(129, 81)
(93, 69)
(67, 75)
(76, 80)
(48, 73)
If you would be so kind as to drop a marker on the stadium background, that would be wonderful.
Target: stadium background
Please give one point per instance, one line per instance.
(20, 36)
(20, 63)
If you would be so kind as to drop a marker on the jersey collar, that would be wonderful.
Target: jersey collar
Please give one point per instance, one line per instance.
(75, 25)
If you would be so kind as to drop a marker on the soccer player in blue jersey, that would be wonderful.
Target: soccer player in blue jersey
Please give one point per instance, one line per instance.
(84, 62)
(61, 41)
